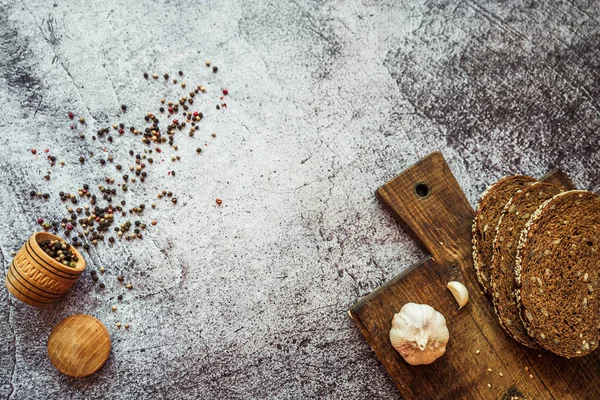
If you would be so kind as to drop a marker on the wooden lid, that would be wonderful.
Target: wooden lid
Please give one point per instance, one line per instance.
(79, 345)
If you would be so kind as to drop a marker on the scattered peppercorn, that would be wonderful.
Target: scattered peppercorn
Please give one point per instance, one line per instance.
(146, 75)
(60, 251)
(123, 107)
(215, 69)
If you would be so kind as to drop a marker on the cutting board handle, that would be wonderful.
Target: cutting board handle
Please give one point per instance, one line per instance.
(428, 201)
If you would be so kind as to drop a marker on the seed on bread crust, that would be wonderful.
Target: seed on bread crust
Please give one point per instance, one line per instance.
(569, 308)
(489, 209)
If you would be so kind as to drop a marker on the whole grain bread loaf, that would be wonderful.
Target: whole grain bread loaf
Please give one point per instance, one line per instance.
(515, 215)
(489, 209)
(557, 274)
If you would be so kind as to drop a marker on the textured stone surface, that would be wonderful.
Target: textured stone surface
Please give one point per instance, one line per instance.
(328, 100)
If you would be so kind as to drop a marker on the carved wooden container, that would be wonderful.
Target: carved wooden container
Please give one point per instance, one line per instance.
(37, 279)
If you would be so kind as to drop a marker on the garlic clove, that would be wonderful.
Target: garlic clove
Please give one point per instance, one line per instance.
(419, 333)
(460, 293)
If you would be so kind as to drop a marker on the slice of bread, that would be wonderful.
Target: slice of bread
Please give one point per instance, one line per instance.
(515, 215)
(488, 213)
(558, 275)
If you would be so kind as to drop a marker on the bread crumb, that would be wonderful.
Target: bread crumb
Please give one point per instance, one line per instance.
(489, 385)
(526, 368)
(531, 376)
(489, 370)
(500, 373)
(477, 351)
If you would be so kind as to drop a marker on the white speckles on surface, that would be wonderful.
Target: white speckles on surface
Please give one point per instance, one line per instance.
(327, 101)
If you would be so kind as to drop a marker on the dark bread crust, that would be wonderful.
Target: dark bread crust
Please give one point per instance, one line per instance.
(489, 209)
(558, 275)
(515, 215)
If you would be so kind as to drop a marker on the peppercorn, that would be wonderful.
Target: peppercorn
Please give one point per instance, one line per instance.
(166, 76)
(32, 193)
(174, 200)
(180, 73)
(81, 160)
(120, 297)
(198, 150)
(215, 69)
(123, 107)
(146, 75)
(120, 278)
(95, 278)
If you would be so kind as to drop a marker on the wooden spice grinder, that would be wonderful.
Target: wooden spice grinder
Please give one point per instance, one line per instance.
(37, 279)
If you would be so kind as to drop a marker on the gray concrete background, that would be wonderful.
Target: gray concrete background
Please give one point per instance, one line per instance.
(328, 100)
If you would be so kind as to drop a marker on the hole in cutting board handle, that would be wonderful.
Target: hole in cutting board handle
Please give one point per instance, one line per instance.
(422, 190)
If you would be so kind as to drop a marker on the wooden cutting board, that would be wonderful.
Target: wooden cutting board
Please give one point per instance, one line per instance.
(481, 361)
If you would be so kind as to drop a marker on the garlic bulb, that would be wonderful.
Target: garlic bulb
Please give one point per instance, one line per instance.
(460, 293)
(419, 333)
